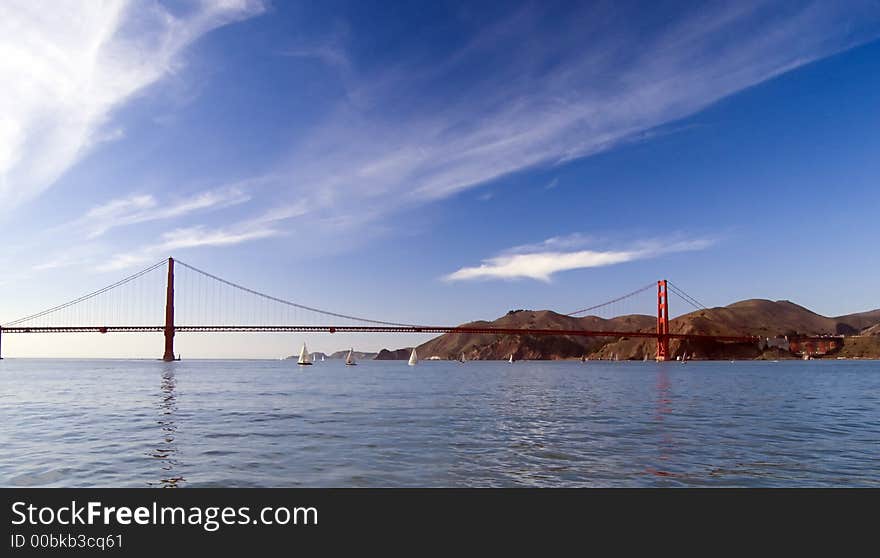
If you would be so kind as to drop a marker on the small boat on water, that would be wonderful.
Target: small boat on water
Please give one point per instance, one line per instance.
(305, 359)
(646, 358)
(510, 360)
(322, 358)
(349, 359)
(413, 358)
(461, 358)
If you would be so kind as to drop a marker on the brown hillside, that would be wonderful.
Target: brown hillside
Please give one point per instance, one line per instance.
(764, 318)
(756, 317)
(399, 354)
(860, 321)
(769, 319)
(497, 347)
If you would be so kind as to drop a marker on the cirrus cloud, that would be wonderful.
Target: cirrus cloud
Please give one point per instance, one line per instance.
(65, 66)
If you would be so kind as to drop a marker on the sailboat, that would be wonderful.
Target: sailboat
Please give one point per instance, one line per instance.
(349, 360)
(322, 358)
(511, 359)
(461, 358)
(646, 358)
(305, 358)
(413, 358)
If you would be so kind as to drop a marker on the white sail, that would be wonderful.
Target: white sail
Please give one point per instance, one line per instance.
(304, 356)
(413, 358)
(511, 359)
(461, 358)
(349, 360)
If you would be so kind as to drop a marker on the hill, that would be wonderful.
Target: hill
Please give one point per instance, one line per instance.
(758, 317)
(764, 318)
(399, 354)
(531, 347)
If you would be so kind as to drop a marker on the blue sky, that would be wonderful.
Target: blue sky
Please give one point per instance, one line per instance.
(438, 162)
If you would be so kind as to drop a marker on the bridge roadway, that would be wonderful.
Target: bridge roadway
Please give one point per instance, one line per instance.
(373, 329)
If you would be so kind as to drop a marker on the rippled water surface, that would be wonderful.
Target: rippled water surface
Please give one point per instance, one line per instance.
(270, 423)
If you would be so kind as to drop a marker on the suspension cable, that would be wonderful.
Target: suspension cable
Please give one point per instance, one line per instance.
(289, 303)
(618, 299)
(87, 296)
(686, 297)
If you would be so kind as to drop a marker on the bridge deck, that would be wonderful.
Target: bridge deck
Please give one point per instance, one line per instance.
(437, 330)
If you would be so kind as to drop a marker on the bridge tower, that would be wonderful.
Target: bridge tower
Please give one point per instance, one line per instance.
(169, 314)
(662, 321)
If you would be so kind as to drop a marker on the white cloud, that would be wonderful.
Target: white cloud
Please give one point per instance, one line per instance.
(539, 265)
(407, 132)
(534, 263)
(567, 242)
(66, 65)
(144, 208)
(519, 97)
(190, 237)
(200, 236)
(330, 52)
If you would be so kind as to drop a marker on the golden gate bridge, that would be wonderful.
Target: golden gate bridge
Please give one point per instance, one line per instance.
(214, 304)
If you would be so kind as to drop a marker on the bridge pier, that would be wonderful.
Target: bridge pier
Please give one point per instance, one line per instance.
(168, 356)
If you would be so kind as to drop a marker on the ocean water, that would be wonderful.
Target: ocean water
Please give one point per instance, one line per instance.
(79, 423)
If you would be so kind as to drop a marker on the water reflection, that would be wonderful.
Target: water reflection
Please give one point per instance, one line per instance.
(166, 452)
(664, 395)
(666, 444)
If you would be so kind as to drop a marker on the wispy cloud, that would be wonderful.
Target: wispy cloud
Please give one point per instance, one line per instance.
(200, 236)
(539, 262)
(425, 129)
(427, 125)
(190, 237)
(556, 243)
(144, 208)
(330, 51)
(66, 66)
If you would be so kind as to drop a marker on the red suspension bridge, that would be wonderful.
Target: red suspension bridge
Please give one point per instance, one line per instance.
(214, 304)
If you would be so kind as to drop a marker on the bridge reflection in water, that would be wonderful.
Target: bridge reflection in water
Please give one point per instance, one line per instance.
(665, 444)
(166, 452)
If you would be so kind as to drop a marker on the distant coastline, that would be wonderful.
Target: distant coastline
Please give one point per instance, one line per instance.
(778, 323)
